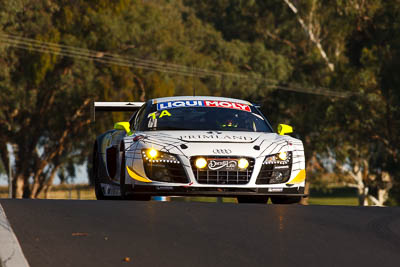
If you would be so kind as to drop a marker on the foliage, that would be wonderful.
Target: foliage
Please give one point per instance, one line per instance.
(46, 97)
(349, 46)
(359, 38)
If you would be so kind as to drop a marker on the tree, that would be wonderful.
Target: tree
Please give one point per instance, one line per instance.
(349, 45)
(373, 116)
(46, 96)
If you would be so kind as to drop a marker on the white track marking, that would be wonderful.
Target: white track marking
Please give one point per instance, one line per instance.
(10, 251)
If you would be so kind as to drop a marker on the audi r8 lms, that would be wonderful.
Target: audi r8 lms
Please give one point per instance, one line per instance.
(197, 146)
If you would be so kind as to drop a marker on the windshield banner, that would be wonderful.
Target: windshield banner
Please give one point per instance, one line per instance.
(202, 103)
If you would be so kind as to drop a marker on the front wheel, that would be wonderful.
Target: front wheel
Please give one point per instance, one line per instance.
(285, 200)
(253, 199)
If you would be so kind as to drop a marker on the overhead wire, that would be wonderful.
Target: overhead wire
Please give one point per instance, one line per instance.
(112, 58)
(151, 65)
(89, 55)
(93, 53)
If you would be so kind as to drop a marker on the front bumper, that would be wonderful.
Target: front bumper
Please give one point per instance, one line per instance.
(214, 191)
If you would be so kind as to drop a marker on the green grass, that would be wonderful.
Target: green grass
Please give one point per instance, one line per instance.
(342, 201)
(333, 196)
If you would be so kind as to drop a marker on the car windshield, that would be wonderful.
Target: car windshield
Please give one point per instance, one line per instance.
(229, 118)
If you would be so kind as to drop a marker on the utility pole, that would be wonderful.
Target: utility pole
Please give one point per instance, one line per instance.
(9, 179)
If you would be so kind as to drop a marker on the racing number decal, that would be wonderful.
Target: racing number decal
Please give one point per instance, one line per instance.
(153, 120)
(153, 117)
(163, 113)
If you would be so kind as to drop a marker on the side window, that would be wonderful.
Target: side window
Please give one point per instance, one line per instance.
(136, 120)
(132, 119)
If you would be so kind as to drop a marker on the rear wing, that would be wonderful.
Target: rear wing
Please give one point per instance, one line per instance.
(115, 106)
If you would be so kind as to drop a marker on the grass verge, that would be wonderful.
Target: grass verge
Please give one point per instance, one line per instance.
(333, 196)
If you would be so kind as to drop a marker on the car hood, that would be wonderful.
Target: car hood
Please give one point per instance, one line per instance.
(229, 143)
(219, 136)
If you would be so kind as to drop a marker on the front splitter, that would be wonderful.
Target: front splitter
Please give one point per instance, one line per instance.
(214, 191)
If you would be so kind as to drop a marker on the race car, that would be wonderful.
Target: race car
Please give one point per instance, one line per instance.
(197, 146)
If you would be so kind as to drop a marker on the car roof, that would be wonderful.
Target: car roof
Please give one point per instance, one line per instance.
(211, 98)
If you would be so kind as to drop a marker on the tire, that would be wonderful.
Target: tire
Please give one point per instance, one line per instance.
(97, 187)
(125, 188)
(253, 199)
(285, 200)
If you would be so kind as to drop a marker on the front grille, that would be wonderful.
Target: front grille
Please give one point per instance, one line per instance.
(165, 172)
(206, 176)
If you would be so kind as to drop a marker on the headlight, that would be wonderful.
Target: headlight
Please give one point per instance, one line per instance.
(276, 168)
(201, 163)
(152, 153)
(154, 156)
(282, 155)
(281, 158)
(163, 167)
(243, 163)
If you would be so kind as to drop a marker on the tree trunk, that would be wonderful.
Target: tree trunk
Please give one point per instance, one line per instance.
(19, 184)
(46, 191)
(383, 195)
(311, 35)
(48, 185)
(362, 195)
(35, 188)
(36, 183)
(385, 183)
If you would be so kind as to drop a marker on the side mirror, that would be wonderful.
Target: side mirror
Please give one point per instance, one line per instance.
(284, 129)
(123, 125)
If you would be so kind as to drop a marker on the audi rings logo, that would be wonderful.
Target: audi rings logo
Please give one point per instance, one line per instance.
(222, 151)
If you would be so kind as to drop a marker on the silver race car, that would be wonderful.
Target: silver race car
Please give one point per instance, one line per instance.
(197, 146)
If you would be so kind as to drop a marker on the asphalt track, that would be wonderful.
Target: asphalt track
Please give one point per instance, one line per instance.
(104, 233)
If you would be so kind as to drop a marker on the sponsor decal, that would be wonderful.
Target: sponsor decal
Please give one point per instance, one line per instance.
(215, 137)
(180, 104)
(222, 164)
(203, 103)
(164, 188)
(275, 189)
(282, 167)
(225, 104)
(222, 151)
